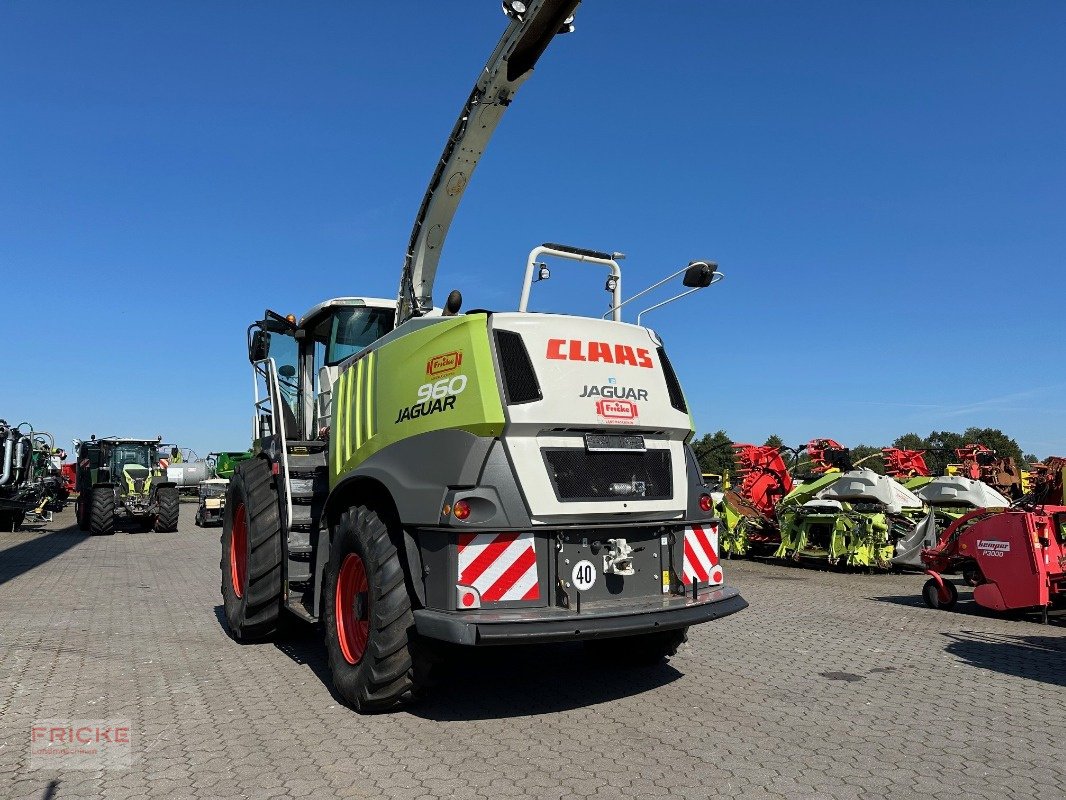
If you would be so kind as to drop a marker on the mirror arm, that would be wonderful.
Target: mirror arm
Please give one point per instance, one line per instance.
(717, 277)
(643, 292)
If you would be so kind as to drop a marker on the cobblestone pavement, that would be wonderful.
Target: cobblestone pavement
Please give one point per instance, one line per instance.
(828, 686)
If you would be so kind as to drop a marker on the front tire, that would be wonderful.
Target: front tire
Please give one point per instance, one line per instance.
(102, 512)
(166, 521)
(251, 553)
(369, 626)
(7, 521)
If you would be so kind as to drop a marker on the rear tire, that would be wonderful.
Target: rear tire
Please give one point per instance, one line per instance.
(374, 655)
(644, 650)
(251, 553)
(166, 521)
(82, 510)
(7, 521)
(102, 513)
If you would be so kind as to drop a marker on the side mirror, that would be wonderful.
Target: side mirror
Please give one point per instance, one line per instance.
(259, 345)
(699, 274)
(287, 371)
(453, 303)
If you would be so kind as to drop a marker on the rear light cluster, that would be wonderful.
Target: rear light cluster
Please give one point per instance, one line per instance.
(706, 503)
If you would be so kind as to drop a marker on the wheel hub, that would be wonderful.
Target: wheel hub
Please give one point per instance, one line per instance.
(238, 550)
(352, 607)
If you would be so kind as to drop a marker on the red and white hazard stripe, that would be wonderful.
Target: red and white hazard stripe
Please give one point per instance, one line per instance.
(501, 566)
(701, 555)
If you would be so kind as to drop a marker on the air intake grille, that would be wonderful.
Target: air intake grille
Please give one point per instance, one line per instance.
(519, 380)
(577, 474)
(677, 397)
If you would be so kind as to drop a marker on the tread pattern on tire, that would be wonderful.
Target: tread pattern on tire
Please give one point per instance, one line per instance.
(166, 520)
(387, 674)
(256, 615)
(102, 512)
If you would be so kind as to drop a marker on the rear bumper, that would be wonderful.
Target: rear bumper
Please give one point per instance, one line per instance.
(557, 625)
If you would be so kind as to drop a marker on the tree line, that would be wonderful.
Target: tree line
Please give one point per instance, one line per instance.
(715, 450)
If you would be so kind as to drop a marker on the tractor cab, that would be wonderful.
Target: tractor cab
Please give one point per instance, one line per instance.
(297, 363)
(128, 463)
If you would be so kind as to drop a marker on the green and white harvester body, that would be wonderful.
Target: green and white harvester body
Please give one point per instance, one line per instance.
(424, 476)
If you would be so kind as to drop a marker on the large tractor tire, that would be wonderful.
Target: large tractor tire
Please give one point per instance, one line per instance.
(7, 521)
(252, 553)
(166, 521)
(102, 513)
(646, 649)
(83, 510)
(369, 626)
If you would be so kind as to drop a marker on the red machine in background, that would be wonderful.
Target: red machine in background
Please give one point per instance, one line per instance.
(827, 454)
(763, 480)
(983, 464)
(904, 464)
(1014, 558)
(69, 474)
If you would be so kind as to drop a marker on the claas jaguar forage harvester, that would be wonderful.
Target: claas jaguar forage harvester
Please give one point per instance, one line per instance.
(1014, 558)
(425, 476)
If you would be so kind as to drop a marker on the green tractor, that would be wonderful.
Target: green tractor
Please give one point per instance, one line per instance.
(123, 477)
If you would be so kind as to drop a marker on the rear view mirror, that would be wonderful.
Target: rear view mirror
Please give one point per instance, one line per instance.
(699, 274)
(258, 345)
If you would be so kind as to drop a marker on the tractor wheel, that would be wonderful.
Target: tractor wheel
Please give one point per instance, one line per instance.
(251, 553)
(199, 519)
(931, 594)
(644, 650)
(374, 655)
(7, 521)
(166, 521)
(102, 513)
(82, 510)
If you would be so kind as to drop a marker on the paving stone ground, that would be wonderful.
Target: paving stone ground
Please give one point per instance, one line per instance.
(828, 686)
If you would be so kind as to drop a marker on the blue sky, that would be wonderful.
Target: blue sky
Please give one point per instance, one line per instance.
(883, 183)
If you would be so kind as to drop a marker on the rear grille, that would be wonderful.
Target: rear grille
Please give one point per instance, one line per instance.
(519, 380)
(577, 474)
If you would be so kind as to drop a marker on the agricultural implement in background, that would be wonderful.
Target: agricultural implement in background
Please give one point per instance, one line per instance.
(846, 516)
(981, 463)
(184, 468)
(748, 512)
(30, 480)
(124, 479)
(224, 463)
(1014, 558)
(485, 478)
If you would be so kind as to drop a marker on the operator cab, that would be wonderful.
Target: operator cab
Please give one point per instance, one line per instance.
(306, 359)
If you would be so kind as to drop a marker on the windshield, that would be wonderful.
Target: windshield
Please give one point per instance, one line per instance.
(133, 455)
(353, 329)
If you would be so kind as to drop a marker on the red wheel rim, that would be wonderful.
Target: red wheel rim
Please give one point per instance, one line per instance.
(353, 608)
(238, 551)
